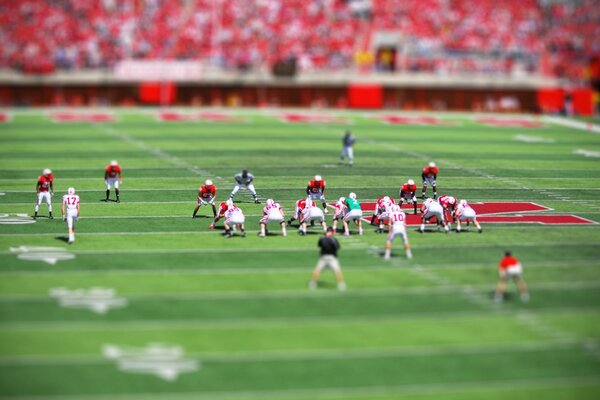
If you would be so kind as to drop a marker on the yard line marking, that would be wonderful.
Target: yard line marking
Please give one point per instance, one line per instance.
(582, 126)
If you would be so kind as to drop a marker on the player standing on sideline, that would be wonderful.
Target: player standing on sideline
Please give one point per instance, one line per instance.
(340, 210)
(206, 195)
(348, 148)
(429, 176)
(408, 193)
(316, 191)
(510, 268)
(464, 212)
(45, 191)
(70, 211)
(272, 212)
(311, 212)
(113, 177)
(329, 247)
(449, 204)
(244, 181)
(430, 209)
(397, 227)
(354, 213)
(233, 216)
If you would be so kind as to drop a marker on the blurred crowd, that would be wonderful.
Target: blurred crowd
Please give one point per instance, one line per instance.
(439, 36)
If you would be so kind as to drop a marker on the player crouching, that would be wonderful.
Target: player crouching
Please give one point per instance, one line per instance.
(206, 195)
(381, 214)
(432, 209)
(408, 193)
(113, 176)
(340, 211)
(311, 212)
(70, 211)
(464, 212)
(397, 227)
(298, 208)
(233, 217)
(272, 212)
(449, 204)
(316, 191)
(354, 213)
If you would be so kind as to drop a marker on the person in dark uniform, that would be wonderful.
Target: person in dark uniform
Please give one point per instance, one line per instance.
(329, 247)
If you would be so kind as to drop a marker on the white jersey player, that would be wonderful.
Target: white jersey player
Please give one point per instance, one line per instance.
(383, 207)
(70, 211)
(311, 213)
(233, 217)
(340, 211)
(244, 180)
(397, 227)
(464, 212)
(272, 212)
(432, 209)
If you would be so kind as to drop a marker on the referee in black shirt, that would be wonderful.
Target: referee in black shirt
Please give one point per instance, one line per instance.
(329, 247)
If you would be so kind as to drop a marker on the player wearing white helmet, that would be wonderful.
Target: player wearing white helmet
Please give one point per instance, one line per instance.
(233, 217)
(311, 212)
(316, 191)
(340, 210)
(464, 212)
(408, 193)
(272, 212)
(429, 176)
(381, 213)
(113, 176)
(354, 213)
(432, 209)
(44, 191)
(70, 211)
(397, 227)
(206, 195)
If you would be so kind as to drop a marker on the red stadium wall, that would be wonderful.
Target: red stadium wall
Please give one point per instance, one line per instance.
(365, 96)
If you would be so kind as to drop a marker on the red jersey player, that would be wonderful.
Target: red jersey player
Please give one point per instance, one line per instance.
(510, 268)
(429, 176)
(45, 191)
(300, 205)
(449, 204)
(206, 195)
(408, 193)
(381, 213)
(223, 206)
(113, 177)
(316, 191)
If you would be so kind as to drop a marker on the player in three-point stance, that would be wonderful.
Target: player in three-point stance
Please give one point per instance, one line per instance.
(429, 176)
(316, 191)
(44, 190)
(510, 268)
(464, 212)
(311, 212)
(233, 216)
(206, 195)
(298, 208)
(354, 213)
(113, 176)
(381, 213)
(272, 212)
(449, 204)
(329, 247)
(70, 211)
(244, 180)
(223, 206)
(397, 227)
(340, 211)
(408, 193)
(431, 209)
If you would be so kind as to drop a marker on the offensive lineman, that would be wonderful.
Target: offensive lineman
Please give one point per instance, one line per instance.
(449, 204)
(430, 209)
(316, 191)
(300, 205)
(233, 216)
(397, 227)
(464, 212)
(45, 191)
(340, 211)
(244, 181)
(408, 193)
(70, 211)
(382, 209)
(354, 213)
(206, 195)
(113, 176)
(272, 212)
(311, 212)
(429, 176)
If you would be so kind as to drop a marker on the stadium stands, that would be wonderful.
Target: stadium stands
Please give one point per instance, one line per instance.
(440, 36)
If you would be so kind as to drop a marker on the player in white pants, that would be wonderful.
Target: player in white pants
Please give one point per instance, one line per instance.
(44, 191)
(431, 209)
(397, 227)
(464, 212)
(70, 211)
(272, 212)
(244, 180)
(233, 216)
(311, 213)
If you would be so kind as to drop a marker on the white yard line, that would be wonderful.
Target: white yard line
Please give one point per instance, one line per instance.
(579, 125)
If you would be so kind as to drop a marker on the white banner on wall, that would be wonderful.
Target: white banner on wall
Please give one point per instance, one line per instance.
(140, 70)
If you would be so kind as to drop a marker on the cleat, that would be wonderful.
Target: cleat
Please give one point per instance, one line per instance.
(211, 227)
(228, 235)
(480, 230)
(256, 201)
(244, 234)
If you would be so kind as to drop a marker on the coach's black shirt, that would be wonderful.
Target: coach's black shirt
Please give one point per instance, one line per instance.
(329, 246)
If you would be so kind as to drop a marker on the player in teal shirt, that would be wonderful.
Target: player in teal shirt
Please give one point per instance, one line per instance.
(354, 213)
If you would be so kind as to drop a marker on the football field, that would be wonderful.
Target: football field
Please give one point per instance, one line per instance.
(149, 303)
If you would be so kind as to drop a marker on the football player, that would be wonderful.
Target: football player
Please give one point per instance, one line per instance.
(233, 216)
(113, 176)
(316, 191)
(510, 268)
(70, 211)
(340, 210)
(381, 213)
(272, 212)
(408, 193)
(311, 212)
(429, 176)
(449, 204)
(464, 212)
(431, 209)
(44, 190)
(206, 195)
(397, 227)
(354, 213)
(244, 180)
(223, 206)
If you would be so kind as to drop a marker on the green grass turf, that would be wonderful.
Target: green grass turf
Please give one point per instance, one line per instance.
(422, 329)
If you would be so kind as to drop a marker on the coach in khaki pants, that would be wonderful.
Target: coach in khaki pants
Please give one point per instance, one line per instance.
(329, 247)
